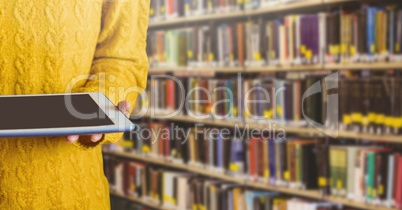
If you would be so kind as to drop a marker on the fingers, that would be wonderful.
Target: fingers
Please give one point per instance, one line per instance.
(96, 137)
(72, 138)
(124, 107)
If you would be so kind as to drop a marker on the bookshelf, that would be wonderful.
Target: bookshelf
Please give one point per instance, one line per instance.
(287, 7)
(261, 69)
(247, 13)
(194, 19)
(364, 66)
(288, 129)
(196, 69)
(140, 201)
(312, 194)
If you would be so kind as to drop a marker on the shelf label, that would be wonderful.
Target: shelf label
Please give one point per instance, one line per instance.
(309, 54)
(339, 184)
(268, 114)
(273, 54)
(372, 48)
(257, 56)
(303, 49)
(146, 149)
(234, 167)
(365, 120)
(211, 57)
(234, 111)
(379, 119)
(166, 198)
(279, 110)
(347, 119)
(371, 117)
(297, 117)
(190, 54)
(334, 49)
(286, 175)
(322, 182)
(357, 117)
(381, 189)
(266, 173)
(388, 121)
(246, 114)
(173, 152)
(344, 49)
(395, 122)
(353, 50)
(369, 190)
(398, 122)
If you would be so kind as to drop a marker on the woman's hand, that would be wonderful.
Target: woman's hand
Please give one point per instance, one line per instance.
(124, 107)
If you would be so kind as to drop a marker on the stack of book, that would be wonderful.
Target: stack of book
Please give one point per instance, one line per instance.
(183, 191)
(284, 100)
(169, 9)
(369, 34)
(365, 173)
(376, 104)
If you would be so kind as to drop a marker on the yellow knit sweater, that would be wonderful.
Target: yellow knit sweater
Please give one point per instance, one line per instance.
(44, 46)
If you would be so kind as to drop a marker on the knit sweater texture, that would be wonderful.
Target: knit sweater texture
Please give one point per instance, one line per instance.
(58, 46)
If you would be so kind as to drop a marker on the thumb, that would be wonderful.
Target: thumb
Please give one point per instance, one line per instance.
(124, 107)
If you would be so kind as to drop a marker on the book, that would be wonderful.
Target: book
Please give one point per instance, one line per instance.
(359, 172)
(366, 34)
(323, 168)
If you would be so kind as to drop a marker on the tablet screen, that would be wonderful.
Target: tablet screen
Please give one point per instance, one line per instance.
(48, 112)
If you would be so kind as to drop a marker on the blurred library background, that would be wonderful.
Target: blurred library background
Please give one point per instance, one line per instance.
(266, 105)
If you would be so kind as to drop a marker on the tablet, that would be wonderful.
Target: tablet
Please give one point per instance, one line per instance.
(60, 115)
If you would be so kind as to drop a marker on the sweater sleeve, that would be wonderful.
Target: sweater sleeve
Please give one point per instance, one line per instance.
(120, 64)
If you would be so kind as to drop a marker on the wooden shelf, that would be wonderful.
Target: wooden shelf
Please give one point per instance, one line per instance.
(288, 129)
(372, 137)
(166, 69)
(276, 8)
(141, 201)
(212, 122)
(285, 68)
(195, 70)
(312, 194)
(260, 69)
(183, 21)
(284, 7)
(365, 66)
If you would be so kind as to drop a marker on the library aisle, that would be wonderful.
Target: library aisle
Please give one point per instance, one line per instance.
(266, 105)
